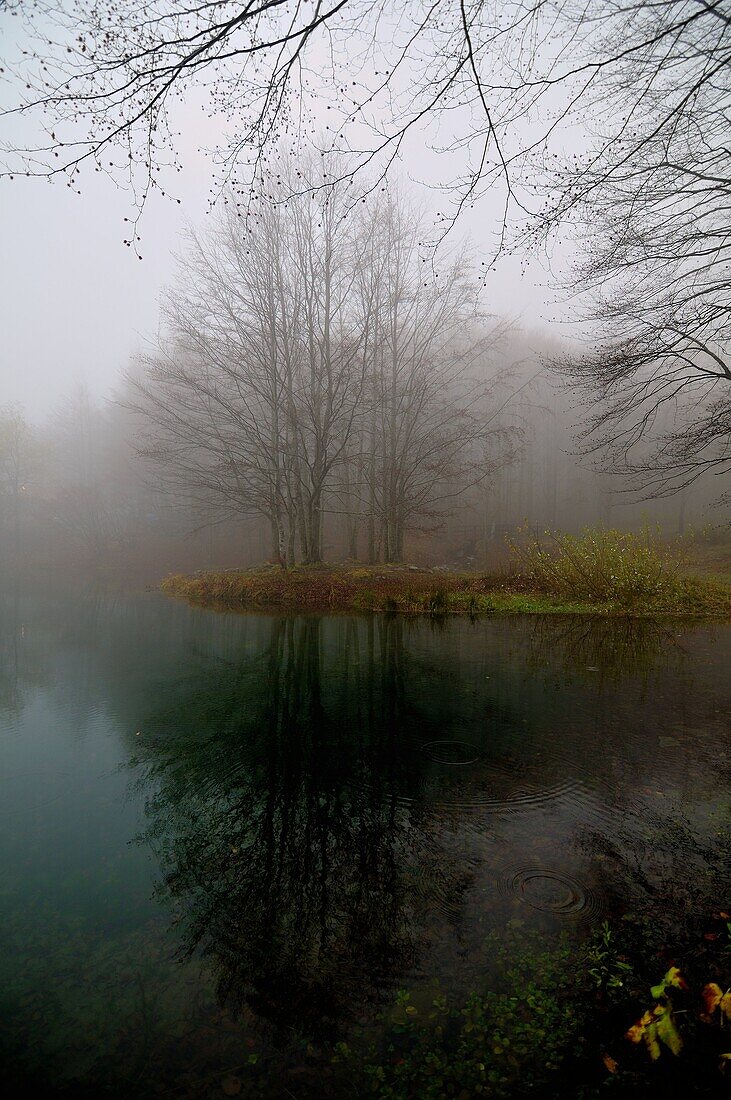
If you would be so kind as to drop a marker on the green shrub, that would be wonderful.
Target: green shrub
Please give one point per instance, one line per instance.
(613, 567)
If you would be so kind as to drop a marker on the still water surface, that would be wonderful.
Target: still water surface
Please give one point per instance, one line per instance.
(227, 840)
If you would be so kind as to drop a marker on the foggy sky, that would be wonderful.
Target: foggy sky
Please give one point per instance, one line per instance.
(76, 304)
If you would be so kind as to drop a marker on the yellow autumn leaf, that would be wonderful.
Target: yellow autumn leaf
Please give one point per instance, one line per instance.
(637, 1032)
(653, 1027)
(645, 1031)
(674, 977)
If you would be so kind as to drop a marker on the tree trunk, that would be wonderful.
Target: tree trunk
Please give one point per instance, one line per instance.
(353, 539)
(399, 540)
(316, 531)
(279, 550)
(291, 541)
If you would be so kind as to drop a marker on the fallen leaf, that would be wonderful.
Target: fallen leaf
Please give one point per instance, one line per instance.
(231, 1085)
(610, 1063)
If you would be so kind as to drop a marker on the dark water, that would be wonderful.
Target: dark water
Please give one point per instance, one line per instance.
(227, 841)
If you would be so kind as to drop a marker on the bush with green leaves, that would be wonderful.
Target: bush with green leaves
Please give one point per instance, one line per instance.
(615, 568)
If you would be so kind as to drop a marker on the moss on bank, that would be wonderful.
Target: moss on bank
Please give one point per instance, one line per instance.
(414, 590)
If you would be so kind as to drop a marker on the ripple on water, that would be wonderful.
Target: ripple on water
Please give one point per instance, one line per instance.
(440, 876)
(550, 892)
(451, 752)
(525, 798)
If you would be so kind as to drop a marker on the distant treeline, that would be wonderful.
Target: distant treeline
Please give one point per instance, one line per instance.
(73, 490)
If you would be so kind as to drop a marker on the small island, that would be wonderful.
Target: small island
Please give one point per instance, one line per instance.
(597, 572)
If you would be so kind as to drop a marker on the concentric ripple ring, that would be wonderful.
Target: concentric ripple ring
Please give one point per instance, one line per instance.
(451, 752)
(549, 891)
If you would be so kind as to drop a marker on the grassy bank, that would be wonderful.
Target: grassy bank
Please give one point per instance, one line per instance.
(363, 588)
(597, 573)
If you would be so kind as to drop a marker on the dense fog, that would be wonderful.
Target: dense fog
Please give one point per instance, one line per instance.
(350, 358)
(77, 491)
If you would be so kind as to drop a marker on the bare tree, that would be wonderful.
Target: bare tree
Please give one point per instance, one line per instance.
(252, 396)
(501, 89)
(309, 365)
(213, 392)
(500, 81)
(330, 343)
(657, 268)
(432, 430)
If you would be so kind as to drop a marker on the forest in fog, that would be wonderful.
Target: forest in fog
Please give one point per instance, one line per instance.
(429, 433)
(318, 390)
(329, 378)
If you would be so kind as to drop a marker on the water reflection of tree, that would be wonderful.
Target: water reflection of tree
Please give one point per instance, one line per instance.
(283, 821)
(613, 647)
(21, 664)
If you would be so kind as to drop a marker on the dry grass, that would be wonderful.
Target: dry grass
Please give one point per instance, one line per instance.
(414, 590)
(319, 588)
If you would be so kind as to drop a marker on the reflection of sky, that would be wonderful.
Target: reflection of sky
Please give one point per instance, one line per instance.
(65, 816)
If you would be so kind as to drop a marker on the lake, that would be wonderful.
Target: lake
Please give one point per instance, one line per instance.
(230, 843)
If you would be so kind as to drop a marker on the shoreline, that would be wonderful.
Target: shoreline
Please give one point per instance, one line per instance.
(412, 590)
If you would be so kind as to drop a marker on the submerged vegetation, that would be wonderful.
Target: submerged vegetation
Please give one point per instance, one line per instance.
(497, 1041)
(610, 572)
(553, 1021)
